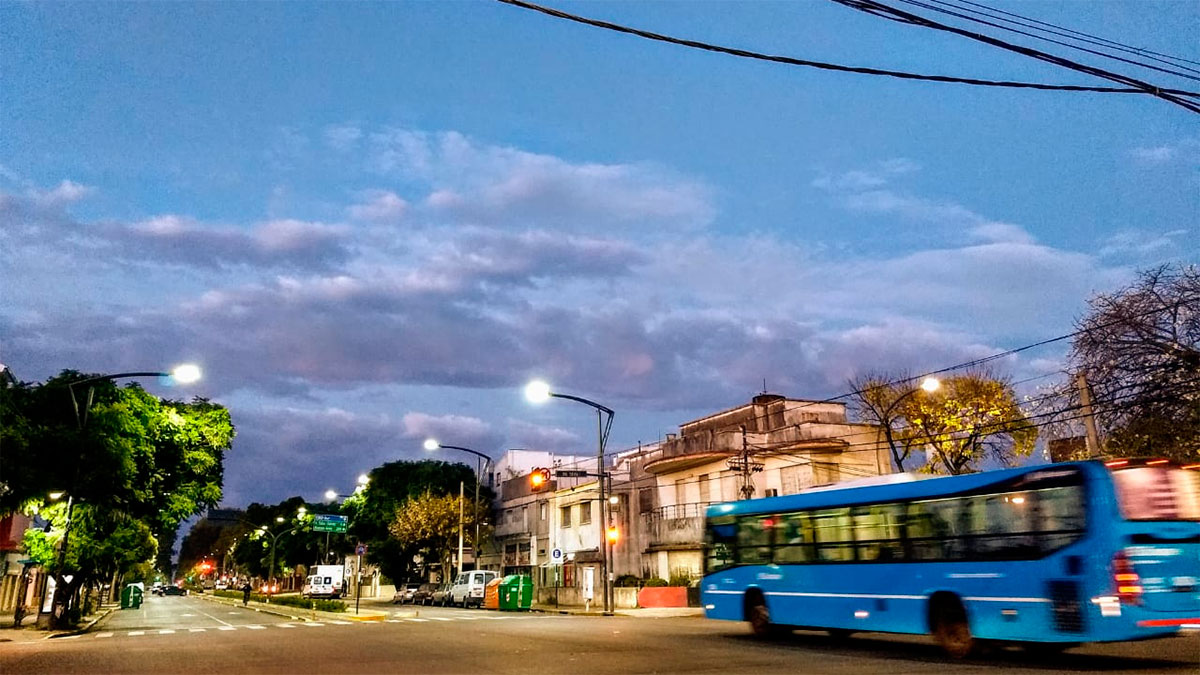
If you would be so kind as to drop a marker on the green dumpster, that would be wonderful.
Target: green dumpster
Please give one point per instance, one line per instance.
(131, 597)
(516, 592)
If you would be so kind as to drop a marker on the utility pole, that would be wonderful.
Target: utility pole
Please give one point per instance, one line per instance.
(460, 527)
(603, 525)
(1089, 416)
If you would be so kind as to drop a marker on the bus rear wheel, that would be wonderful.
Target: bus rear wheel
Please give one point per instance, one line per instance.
(951, 629)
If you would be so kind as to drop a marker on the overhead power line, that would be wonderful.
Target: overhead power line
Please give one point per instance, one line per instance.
(895, 14)
(943, 8)
(732, 51)
(1082, 37)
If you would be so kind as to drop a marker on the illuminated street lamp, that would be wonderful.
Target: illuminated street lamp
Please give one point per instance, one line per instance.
(432, 444)
(539, 391)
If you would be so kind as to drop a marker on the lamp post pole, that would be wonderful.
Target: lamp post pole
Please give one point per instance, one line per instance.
(481, 461)
(539, 391)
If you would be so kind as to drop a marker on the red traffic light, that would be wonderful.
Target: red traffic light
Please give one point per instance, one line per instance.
(539, 479)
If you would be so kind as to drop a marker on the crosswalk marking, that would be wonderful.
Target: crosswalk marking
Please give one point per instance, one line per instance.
(417, 620)
(284, 625)
(254, 627)
(440, 618)
(104, 635)
(166, 632)
(340, 623)
(393, 620)
(196, 630)
(318, 624)
(226, 628)
(137, 633)
(311, 624)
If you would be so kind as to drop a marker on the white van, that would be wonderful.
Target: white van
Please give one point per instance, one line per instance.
(324, 581)
(468, 587)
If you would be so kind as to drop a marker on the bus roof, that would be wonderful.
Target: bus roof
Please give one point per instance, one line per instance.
(902, 491)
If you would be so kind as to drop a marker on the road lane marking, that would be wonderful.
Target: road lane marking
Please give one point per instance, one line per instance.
(104, 635)
(196, 630)
(70, 637)
(187, 615)
(393, 620)
(418, 620)
(340, 623)
(166, 632)
(225, 628)
(469, 618)
(218, 620)
(253, 627)
(137, 633)
(440, 618)
(312, 624)
(284, 625)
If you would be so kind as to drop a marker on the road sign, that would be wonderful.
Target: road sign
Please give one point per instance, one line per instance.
(361, 549)
(570, 473)
(325, 522)
(556, 556)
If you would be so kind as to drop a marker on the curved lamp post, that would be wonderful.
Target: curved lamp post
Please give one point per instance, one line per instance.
(184, 374)
(274, 539)
(481, 461)
(538, 391)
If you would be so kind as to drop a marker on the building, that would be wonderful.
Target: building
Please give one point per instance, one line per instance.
(769, 447)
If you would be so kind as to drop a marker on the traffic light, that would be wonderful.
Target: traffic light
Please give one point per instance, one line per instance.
(539, 479)
(613, 534)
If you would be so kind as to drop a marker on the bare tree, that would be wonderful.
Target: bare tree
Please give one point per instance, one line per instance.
(1139, 349)
(876, 400)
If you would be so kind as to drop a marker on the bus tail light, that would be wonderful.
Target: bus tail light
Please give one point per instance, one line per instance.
(1127, 581)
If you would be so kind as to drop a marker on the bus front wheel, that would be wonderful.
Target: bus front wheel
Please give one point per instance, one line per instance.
(950, 627)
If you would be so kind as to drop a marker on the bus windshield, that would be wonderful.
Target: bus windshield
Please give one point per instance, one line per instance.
(1158, 492)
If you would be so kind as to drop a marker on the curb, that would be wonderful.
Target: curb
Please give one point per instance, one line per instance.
(277, 612)
(85, 628)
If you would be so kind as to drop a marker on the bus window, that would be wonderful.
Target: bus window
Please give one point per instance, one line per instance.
(794, 539)
(721, 540)
(835, 538)
(1000, 526)
(1060, 516)
(877, 532)
(1158, 493)
(754, 540)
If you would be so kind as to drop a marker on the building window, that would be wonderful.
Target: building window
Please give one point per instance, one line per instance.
(704, 494)
(544, 509)
(566, 516)
(680, 491)
(525, 517)
(585, 513)
(825, 473)
(772, 492)
(645, 500)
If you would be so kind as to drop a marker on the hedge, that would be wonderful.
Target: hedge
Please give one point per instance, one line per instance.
(318, 604)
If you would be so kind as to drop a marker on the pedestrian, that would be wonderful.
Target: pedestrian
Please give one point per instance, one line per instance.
(246, 593)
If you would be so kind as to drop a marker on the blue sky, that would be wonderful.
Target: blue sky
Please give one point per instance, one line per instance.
(370, 222)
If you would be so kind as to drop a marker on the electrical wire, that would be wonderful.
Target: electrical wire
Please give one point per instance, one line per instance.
(879, 9)
(742, 53)
(950, 12)
(1067, 32)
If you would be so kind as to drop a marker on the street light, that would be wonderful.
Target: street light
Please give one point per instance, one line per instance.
(432, 444)
(539, 391)
(184, 374)
(274, 539)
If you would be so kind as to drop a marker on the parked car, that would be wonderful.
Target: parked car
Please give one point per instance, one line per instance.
(404, 593)
(174, 590)
(441, 595)
(424, 594)
(469, 586)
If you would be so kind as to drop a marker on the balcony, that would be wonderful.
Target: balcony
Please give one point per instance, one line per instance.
(676, 526)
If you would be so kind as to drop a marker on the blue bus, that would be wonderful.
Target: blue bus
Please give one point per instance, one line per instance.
(1049, 556)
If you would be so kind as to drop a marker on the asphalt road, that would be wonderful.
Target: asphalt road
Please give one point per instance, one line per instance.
(191, 635)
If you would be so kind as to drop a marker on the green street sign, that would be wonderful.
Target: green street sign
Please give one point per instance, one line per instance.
(324, 522)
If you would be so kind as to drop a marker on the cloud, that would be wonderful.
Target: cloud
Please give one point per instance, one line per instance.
(522, 434)
(1144, 244)
(481, 183)
(379, 206)
(1185, 151)
(274, 243)
(66, 192)
(469, 432)
(342, 137)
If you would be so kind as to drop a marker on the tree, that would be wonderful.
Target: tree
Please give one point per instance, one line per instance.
(391, 485)
(1139, 351)
(972, 419)
(129, 462)
(431, 524)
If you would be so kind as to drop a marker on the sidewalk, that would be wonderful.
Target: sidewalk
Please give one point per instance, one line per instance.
(28, 631)
(298, 613)
(640, 612)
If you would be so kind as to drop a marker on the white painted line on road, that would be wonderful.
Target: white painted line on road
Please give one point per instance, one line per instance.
(253, 627)
(284, 625)
(136, 633)
(418, 620)
(469, 618)
(393, 620)
(235, 612)
(70, 637)
(440, 618)
(226, 623)
(225, 628)
(103, 635)
(196, 630)
(312, 624)
(187, 615)
(166, 632)
(340, 623)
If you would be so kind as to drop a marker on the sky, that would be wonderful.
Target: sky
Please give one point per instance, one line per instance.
(374, 222)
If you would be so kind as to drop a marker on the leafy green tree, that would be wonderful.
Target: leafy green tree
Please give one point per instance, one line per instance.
(391, 485)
